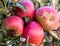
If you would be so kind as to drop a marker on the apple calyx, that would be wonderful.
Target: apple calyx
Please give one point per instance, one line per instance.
(11, 33)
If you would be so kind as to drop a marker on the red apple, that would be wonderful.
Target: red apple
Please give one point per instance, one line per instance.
(48, 17)
(35, 33)
(29, 10)
(13, 26)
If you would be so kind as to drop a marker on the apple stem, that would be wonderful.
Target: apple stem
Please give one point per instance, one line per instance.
(20, 44)
(27, 19)
(53, 34)
(27, 42)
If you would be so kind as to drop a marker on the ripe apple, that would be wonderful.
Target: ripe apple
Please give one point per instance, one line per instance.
(29, 10)
(13, 26)
(48, 17)
(35, 33)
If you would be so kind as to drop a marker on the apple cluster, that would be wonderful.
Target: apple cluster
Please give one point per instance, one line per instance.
(43, 19)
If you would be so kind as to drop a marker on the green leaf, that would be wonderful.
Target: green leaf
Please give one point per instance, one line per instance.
(46, 44)
(2, 11)
(11, 42)
(5, 2)
(21, 6)
(1, 16)
(32, 45)
(1, 5)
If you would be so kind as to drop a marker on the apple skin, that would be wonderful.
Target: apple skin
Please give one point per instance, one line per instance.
(13, 25)
(48, 17)
(35, 32)
(29, 10)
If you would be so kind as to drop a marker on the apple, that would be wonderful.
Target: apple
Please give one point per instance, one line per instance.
(48, 17)
(13, 26)
(29, 10)
(34, 32)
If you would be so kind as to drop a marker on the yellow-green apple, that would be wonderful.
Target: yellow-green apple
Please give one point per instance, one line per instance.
(48, 17)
